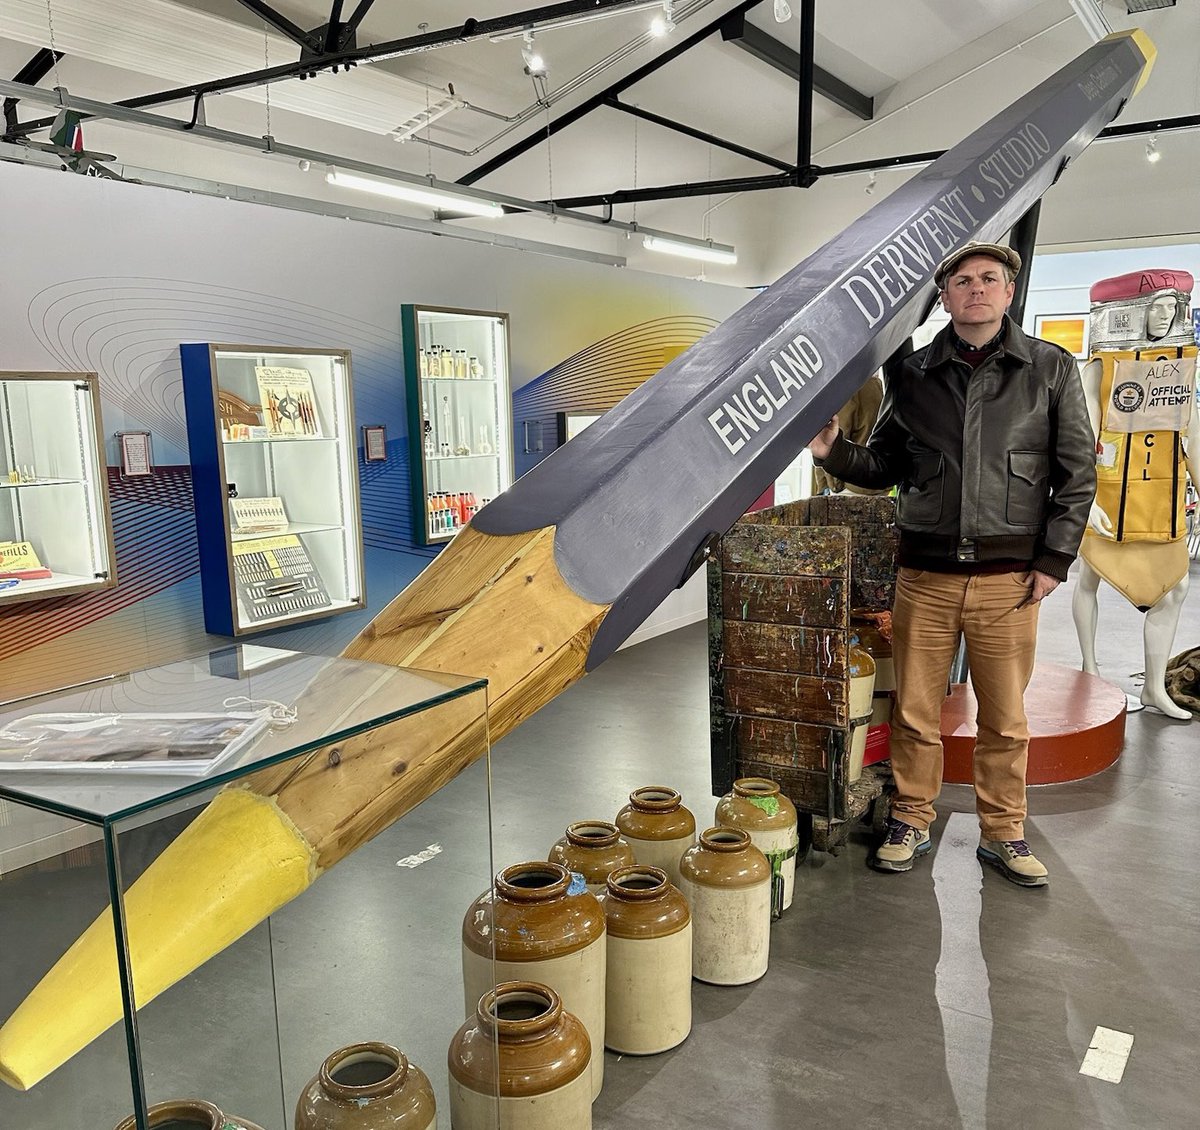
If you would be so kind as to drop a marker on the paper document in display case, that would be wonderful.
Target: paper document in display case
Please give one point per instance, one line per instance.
(289, 405)
(275, 577)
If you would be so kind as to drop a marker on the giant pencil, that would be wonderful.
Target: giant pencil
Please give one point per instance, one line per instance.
(555, 573)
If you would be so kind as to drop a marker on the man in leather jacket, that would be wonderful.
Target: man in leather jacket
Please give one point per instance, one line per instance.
(986, 433)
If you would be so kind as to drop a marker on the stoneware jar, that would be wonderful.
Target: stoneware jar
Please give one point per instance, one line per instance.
(862, 689)
(648, 991)
(874, 635)
(757, 805)
(727, 881)
(540, 923)
(189, 1114)
(658, 828)
(522, 1046)
(592, 848)
(369, 1086)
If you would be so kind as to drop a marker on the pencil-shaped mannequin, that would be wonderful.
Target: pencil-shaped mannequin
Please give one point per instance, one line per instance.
(551, 577)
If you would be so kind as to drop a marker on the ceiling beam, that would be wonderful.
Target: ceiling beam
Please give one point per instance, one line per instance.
(688, 131)
(598, 99)
(38, 67)
(282, 24)
(736, 30)
(364, 6)
(806, 85)
(467, 32)
(677, 191)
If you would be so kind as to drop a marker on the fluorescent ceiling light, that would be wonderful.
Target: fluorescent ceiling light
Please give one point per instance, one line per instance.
(1135, 6)
(430, 198)
(570, 21)
(707, 252)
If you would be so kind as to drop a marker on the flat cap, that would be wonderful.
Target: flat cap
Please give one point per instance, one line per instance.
(997, 251)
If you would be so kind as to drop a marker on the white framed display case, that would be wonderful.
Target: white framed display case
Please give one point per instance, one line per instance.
(55, 529)
(275, 481)
(460, 416)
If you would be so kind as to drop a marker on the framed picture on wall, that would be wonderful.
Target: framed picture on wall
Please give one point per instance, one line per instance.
(1068, 330)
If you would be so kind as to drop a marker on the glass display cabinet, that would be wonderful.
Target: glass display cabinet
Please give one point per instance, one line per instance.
(55, 530)
(275, 482)
(248, 950)
(460, 416)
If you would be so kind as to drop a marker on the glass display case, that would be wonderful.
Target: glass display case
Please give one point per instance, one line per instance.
(275, 481)
(237, 970)
(55, 530)
(460, 416)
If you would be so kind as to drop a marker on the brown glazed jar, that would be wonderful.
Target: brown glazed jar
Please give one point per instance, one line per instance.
(658, 828)
(540, 923)
(727, 881)
(592, 848)
(648, 990)
(188, 1114)
(524, 1048)
(757, 805)
(369, 1086)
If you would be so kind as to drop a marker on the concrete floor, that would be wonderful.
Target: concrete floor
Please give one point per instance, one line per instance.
(942, 998)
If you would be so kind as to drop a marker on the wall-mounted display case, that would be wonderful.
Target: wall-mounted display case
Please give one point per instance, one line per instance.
(460, 418)
(55, 531)
(275, 480)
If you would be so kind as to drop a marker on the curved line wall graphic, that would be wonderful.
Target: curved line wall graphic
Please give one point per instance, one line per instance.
(128, 329)
(595, 378)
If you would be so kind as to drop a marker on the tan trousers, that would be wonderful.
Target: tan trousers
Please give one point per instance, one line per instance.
(929, 612)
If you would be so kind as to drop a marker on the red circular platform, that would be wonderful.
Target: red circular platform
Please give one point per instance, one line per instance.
(1076, 726)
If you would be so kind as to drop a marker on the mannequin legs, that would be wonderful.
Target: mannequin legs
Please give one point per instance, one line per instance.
(1084, 612)
(1158, 634)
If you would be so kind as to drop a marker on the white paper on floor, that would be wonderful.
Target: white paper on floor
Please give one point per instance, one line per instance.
(1107, 1055)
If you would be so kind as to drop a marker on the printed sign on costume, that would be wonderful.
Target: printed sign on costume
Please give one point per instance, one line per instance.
(1151, 396)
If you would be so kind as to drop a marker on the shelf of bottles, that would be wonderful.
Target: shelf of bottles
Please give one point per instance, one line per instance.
(55, 532)
(457, 361)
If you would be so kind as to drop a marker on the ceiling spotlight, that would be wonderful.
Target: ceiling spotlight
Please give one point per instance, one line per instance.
(660, 26)
(535, 64)
(1152, 153)
(870, 189)
(783, 11)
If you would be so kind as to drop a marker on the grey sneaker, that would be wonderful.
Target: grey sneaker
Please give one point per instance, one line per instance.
(902, 843)
(1014, 860)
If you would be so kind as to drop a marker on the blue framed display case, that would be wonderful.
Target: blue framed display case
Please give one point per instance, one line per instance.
(275, 482)
(459, 415)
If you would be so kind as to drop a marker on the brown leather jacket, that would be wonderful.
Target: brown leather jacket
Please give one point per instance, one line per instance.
(995, 464)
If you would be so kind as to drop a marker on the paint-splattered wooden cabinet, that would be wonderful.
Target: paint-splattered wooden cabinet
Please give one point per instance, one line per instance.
(782, 584)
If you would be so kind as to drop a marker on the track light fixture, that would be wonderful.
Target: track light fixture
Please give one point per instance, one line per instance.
(871, 181)
(1152, 153)
(783, 11)
(707, 252)
(535, 63)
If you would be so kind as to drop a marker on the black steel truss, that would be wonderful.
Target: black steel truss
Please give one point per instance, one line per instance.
(31, 73)
(736, 30)
(472, 29)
